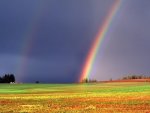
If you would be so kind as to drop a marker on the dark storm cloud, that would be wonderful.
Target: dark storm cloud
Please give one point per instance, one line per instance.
(132, 30)
(15, 17)
(53, 70)
(127, 50)
(66, 27)
(62, 33)
(64, 23)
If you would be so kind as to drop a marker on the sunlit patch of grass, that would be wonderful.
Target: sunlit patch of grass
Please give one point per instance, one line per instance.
(76, 98)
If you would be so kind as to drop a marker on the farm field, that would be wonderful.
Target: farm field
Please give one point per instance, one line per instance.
(115, 97)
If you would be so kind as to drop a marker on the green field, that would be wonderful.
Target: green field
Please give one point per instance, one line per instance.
(121, 97)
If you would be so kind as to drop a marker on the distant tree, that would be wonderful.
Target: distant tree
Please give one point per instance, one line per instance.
(7, 78)
(135, 77)
(140, 77)
(12, 78)
(85, 80)
(1, 80)
(92, 80)
(124, 78)
(37, 82)
(129, 77)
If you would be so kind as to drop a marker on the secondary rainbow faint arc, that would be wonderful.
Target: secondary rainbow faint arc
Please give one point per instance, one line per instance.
(28, 42)
(85, 73)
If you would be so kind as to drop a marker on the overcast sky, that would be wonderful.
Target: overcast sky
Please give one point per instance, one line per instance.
(48, 40)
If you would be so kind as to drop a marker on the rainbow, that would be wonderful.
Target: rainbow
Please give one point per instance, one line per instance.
(86, 71)
(28, 42)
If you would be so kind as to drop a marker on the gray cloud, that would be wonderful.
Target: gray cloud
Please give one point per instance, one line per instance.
(62, 33)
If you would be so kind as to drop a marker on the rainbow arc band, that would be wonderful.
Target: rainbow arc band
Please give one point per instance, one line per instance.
(87, 67)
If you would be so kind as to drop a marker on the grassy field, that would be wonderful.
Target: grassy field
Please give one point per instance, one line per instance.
(121, 97)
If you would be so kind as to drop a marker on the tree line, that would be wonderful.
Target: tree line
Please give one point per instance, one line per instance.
(7, 78)
(86, 80)
(135, 77)
(128, 77)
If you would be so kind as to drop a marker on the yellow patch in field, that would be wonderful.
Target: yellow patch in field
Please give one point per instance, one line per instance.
(30, 108)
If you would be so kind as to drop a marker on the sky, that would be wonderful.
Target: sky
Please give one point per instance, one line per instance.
(48, 40)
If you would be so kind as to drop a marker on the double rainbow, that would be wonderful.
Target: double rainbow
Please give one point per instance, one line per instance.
(86, 71)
